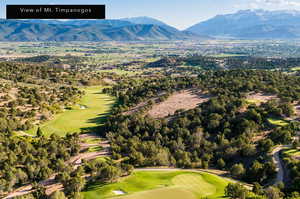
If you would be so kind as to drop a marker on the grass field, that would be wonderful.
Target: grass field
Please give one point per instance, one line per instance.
(119, 72)
(96, 106)
(278, 122)
(253, 101)
(161, 185)
(221, 55)
(295, 68)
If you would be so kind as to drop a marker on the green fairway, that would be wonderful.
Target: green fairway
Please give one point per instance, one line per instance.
(161, 185)
(278, 122)
(292, 152)
(89, 113)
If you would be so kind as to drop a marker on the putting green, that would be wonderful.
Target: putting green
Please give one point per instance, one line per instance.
(161, 185)
(89, 113)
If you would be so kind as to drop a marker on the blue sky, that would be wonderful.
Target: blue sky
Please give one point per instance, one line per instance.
(178, 13)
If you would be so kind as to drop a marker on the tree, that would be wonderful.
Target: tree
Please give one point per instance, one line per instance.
(257, 188)
(265, 145)
(236, 191)
(40, 191)
(273, 193)
(237, 170)
(74, 185)
(58, 195)
(39, 132)
(256, 171)
(221, 163)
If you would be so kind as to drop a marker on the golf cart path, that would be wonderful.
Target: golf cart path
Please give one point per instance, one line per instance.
(279, 164)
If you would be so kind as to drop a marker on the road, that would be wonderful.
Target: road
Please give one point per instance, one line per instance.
(279, 165)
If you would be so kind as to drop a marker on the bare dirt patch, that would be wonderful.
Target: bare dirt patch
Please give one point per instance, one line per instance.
(297, 109)
(185, 99)
(260, 136)
(259, 98)
(109, 81)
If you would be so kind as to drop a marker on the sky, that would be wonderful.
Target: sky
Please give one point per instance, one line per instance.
(178, 13)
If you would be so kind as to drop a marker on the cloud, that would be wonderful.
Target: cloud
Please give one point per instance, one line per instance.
(286, 3)
(270, 4)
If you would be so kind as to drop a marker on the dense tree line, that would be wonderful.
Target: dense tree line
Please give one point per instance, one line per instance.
(230, 62)
(21, 105)
(25, 160)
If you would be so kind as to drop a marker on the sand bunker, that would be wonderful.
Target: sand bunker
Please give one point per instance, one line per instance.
(118, 192)
(83, 107)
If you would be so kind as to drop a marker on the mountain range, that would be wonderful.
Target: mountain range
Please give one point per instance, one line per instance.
(244, 24)
(131, 29)
(252, 24)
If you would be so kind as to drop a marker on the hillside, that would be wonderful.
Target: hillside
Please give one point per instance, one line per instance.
(252, 24)
(87, 30)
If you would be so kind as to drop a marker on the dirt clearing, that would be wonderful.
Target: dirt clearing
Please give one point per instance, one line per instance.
(186, 99)
(259, 98)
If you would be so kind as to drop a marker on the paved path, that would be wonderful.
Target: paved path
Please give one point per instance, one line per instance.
(279, 165)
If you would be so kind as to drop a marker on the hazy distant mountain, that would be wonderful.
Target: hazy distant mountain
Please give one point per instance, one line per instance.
(252, 24)
(109, 22)
(87, 30)
(144, 20)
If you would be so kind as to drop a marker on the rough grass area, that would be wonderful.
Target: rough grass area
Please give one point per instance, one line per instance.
(161, 185)
(277, 122)
(96, 104)
(186, 99)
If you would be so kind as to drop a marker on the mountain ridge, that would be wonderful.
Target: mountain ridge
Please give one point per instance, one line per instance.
(252, 24)
(88, 30)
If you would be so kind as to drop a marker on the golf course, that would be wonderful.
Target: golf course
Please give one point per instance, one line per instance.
(87, 114)
(160, 185)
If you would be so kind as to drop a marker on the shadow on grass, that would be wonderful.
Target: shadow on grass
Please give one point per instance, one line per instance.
(99, 121)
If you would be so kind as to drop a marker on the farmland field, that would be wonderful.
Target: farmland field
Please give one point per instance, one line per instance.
(161, 184)
(88, 113)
